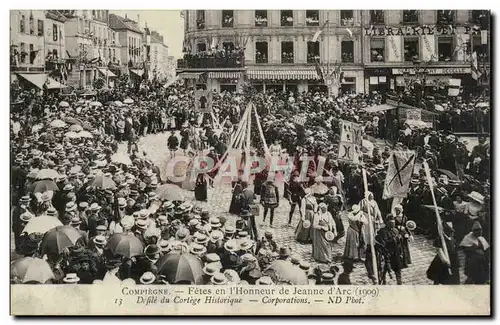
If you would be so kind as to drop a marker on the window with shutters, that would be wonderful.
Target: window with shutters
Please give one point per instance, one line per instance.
(286, 52)
(32, 54)
(445, 49)
(347, 50)
(261, 52)
(22, 48)
(313, 52)
(32, 24)
(200, 19)
(377, 50)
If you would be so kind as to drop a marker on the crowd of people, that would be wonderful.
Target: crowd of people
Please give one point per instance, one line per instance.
(83, 212)
(217, 57)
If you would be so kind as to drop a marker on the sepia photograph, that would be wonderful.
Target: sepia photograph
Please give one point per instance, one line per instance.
(208, 158)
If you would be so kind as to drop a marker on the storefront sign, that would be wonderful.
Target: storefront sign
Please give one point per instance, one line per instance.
(413, 114)
(378, 72)
(431, 71)
(419, 30)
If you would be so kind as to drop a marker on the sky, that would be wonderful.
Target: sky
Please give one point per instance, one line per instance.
(166, 22)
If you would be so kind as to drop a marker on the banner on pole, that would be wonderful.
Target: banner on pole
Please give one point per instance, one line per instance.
(349, 151)
(399, 174)
(300, 120)
(203, 101)
(414, 114)
(351, 133)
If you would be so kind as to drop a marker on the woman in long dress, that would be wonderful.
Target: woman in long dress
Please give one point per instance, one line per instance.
(322, 249)
(200, 190)
(369, 205)
(354, 242)
(302, 233)
(401, 220)
(189, 183)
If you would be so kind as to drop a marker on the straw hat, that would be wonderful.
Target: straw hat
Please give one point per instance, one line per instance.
(99, 240)
(329, 236)
(211, 269)
(147, 278)
(479, 198)
(71, 278)
(218, 279)
(265, 280)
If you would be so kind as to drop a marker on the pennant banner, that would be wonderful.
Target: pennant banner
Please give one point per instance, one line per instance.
(203, 101)
(428, 47)
(394, 48)
(350, 132)
(349, 152)
(461, 40)
(399, 174)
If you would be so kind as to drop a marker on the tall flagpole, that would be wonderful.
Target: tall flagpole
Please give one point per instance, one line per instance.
(327, 42)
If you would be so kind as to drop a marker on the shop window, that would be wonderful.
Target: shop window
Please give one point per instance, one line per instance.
(55, 35)
(445, 49)
(227, 18)
(313, 52)
(22, 27)
(40, 27)
(347, 50)
(312, 17)
(228, 46)
(410, 16)
(260, 18)
(346, 17)
(261, 52)
(410, 49)
(201, 47)
(200, 19)
(348, 88)
(377, 50)
(286, 52)
(286, 17)
(377, 17)
(445, 17)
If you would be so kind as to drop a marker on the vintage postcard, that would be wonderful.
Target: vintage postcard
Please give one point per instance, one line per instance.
(250, 162)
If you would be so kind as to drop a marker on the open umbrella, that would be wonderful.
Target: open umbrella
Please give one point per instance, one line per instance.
(44, 186)
(63, 104)
(32, 173)
(47, 174)
(284, 272)
(72, 120)
(75, 128)
(57, 239)
(72, 135)
(170, 192)
(30, 269)
(128, 101)
(85, 134)
(184, 267)
(448, 173)
(41, 224)
(125, 244)
(103, 182)
(121, 158)
(95, 104)
(58, 124)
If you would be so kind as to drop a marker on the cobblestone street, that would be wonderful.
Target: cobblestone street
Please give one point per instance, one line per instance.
(422, 250)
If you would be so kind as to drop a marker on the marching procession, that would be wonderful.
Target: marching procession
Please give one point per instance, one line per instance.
(90, 205)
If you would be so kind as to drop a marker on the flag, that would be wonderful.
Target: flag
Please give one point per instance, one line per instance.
(454, 87)
(319, 31)
(484, 37)
(474, 67)
(399, 174)
(349, 32)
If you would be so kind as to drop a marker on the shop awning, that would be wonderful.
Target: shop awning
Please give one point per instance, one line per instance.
(39, 79)
(224, 75)
(138, 72)
(107, 73)
(292, 74)
(190, 75)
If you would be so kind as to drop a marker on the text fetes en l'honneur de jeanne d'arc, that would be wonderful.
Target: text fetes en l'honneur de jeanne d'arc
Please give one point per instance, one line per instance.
(237, 295)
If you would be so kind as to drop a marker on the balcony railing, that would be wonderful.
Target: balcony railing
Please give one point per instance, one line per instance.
(260, 22)
(210, 60)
